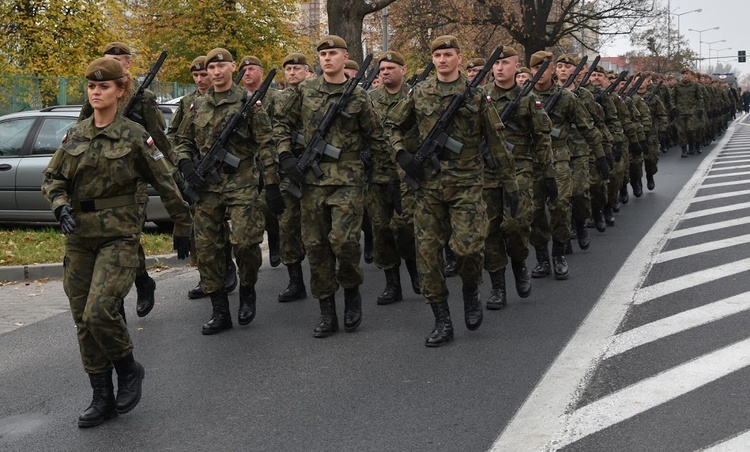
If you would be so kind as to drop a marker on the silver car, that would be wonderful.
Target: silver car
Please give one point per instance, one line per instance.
(27, 141)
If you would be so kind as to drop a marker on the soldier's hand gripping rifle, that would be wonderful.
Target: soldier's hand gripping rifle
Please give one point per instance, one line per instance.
(208, 165)
(587, 75)
(607, 91)
(317, 147)
(438, 139)
(551, 102)
(135, 99)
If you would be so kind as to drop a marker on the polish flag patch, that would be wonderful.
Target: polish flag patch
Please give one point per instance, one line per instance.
(538, 103)
(65, 138)
(489, 99)
(150, 141)
(259, 103)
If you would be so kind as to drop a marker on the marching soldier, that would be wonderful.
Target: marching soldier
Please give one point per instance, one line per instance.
(687, 98)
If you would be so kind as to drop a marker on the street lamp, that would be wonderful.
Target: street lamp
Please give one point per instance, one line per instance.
(700, 44)
(709, 50)
(678, 25)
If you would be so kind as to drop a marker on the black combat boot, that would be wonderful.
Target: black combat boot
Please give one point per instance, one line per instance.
(684, 151)
(130, 375)
(145, 287)
(451, 265)
(497, 298)
(442, 333)
(559, 264)
(352, 309)
(616, 204)
(598, 217)
(274, 254)
(411, 267)
(329, 322)
(691, 148)
(473, 312)
(609, 216)
(197, 292)
(584, 241)
(636, 183)
(522, 277)
(296, 288)
(246, 313)
(103, 405)
(231, 280)
(392, 292)
(221, 319)
(568, 247)
(624, 196)
(650, 184)
(542, 268)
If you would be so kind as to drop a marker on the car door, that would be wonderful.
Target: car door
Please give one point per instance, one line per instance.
(45, 140)
(14, 138)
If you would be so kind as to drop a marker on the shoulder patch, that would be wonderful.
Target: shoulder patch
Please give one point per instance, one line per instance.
(489, 99)
(259, 103)
(538, 104)
(149, 141)
(191, 106)
(65, 138)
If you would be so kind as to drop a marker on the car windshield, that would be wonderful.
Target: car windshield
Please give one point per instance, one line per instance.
(13, 134)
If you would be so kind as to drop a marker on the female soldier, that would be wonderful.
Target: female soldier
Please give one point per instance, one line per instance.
(91, 185)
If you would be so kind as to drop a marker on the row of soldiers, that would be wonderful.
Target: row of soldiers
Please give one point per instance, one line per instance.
(568, 152)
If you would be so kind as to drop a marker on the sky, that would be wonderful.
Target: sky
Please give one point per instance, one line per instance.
(731, 16)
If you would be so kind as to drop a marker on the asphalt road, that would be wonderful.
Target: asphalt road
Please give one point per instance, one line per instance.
(271, 386)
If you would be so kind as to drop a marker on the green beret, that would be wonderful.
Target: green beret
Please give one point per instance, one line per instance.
(351, 64)
(248, 60)
(117, 48)
(294, 58)
(444, 42)
(103, 69)
(566, 58)
(198, 64)
(392, 57)
(331, 42)
(218, 54)
(476, 62)
(538, 57)
(525, 70)
(508, 52)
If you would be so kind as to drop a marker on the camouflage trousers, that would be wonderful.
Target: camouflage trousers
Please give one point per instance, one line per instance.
(580, 196)
(636, 161)
(393, 238)
(597, 187)
(508, 236)
(456, 216)
(193, 249)
(244, 209)
(98, 274)
(290, 231)
(558, 225)
(618, 173)
(331, 226)
(687, 129)
(651, 159)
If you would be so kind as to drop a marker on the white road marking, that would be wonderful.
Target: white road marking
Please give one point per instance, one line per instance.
(709, 227)
(734, 444)
(666, 256)
(679, 322)
(720, 196)
(728, 162)
(726, 184)
(714, 211)
(741, 173)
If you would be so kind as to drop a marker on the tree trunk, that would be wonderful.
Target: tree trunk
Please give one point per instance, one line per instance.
(345, 20)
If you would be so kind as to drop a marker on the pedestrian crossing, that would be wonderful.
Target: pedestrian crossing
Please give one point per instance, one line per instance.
(661, 354)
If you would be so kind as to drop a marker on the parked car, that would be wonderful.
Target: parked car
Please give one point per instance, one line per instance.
(27, 141)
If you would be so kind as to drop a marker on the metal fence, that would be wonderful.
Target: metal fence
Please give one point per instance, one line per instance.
(20, 93)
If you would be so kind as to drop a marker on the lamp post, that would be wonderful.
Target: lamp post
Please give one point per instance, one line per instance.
(709, 50)
(669, 37)
(700, 44)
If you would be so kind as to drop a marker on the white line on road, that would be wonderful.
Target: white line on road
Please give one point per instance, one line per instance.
(720, 196)
(679, 322)
(729, 168)
(702, 248)
(694, 279)
(726, 184)
(741, 173)
(716, 210)
(739, 442)
(656, 390)
(709, 227)
(727, 162)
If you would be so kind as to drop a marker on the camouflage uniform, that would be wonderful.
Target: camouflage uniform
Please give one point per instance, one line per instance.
(649, 132)
(98, 174)
(686, 98)
(660, 122)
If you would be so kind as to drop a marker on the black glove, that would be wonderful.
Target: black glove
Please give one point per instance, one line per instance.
(410, 166)
(602, 167)
(393, 195)
(617, 151)
(64, 216)
(289, 164)
(182, 246)
(366, 158)
(187, 168)
(274, 199)
(610, 161)
(673, 113)
(663, 138)
(512, 199)
(644, 147)
(635, 148)
(550, 187)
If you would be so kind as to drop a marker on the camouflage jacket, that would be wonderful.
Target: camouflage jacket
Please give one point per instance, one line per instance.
(687, 97)
(527, 129)
(251, 143)
(659, 117)
(597, 116)
(423, 108)
(610, 112)
(632, 128)
(645, 114)
(98, 174)
(186, 102)
(303, 110)
(635, 116)
(383, 101)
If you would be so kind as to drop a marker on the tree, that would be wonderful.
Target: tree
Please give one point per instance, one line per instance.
(660, 49)
(345, 18)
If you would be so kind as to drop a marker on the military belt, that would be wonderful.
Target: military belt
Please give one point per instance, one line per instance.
(447, 154)
(92, 205)
(344, 157)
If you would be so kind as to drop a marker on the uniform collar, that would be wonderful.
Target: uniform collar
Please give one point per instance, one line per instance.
(114, 131)
(236, 94)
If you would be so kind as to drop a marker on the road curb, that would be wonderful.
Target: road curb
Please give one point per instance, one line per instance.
(34, 272)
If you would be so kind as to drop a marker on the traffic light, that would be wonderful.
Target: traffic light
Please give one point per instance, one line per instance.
(741, 56)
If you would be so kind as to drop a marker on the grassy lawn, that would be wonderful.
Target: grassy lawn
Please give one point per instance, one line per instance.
(26, 246)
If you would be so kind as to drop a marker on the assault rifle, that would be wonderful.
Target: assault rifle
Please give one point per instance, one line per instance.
(317, 147)
(207, 167)
(438, 139)
(624, 88)
(416, 78)
(551, 103)
(653, 93)
(238, 79)
(587, 76)
(135, 99)
(636, 85)
(370, 78)
(612, 86)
